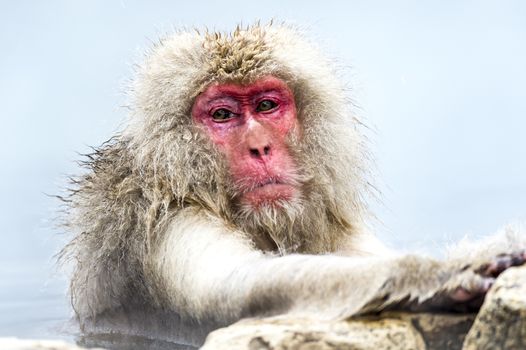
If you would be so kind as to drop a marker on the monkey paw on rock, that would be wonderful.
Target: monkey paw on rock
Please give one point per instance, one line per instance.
(466, 290)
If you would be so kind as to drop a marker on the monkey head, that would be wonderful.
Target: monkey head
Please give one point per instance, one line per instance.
(254, 126)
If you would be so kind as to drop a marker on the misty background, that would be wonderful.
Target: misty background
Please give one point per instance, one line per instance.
(441, 85)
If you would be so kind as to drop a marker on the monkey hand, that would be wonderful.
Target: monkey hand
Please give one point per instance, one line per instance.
(465, 290)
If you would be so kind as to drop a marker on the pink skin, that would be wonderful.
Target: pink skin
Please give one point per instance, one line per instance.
(253, 140)
(489, 272)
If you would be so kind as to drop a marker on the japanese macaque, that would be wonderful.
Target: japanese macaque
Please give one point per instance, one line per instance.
(239, 189)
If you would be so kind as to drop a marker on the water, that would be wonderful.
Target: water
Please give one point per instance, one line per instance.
(33, 303)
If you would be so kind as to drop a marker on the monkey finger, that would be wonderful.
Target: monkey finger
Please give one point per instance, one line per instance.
(502, 263)
(472, 290)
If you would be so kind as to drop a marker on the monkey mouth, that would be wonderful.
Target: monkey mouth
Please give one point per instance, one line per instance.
(269, 182)
(269, 192)
(249, 184)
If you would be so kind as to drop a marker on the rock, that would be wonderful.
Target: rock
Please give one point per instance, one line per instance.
(307, 334)
(390, 331)
(501, 322)
(24, 344)
(441, 331)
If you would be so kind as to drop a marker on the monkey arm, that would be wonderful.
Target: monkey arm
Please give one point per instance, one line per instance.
(212, 272)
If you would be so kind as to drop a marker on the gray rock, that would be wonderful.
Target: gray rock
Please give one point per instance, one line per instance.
(308, 334)
(390, 331)
(501, 322)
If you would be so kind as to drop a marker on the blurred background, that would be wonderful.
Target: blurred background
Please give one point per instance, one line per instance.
(441, 84)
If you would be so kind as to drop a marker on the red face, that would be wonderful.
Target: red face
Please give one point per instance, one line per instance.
(250, 125)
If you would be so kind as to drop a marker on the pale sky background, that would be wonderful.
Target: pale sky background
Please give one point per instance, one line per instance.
(442, 84)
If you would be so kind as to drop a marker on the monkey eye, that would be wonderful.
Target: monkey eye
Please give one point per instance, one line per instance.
(266, 105)
(222, 115)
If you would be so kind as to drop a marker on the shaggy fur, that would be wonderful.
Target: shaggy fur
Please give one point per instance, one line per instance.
(161, 164)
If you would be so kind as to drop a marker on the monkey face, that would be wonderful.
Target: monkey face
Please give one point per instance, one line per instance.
(250, 125)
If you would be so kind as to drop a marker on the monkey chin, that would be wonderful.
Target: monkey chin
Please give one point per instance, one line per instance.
(270, 195)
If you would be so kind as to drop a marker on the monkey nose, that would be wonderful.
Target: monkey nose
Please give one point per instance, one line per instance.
(259, 152)
(258, 140)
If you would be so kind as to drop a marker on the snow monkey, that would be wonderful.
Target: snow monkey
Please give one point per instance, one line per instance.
(238, 189)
